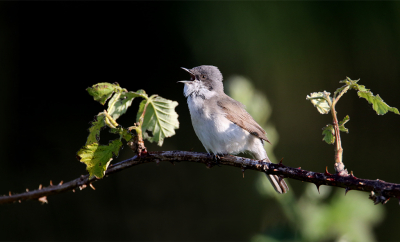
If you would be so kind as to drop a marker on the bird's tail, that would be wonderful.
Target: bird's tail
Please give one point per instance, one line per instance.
(277, 182)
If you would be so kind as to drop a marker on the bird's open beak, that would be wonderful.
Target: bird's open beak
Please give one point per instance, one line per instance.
(192, 76)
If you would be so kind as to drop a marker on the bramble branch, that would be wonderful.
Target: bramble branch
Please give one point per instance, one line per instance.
(381, 191)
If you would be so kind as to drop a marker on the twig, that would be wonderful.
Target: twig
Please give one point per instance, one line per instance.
(381, 191)
(339, 166)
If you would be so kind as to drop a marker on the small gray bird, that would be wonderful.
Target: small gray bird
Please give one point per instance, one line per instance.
(221, 123)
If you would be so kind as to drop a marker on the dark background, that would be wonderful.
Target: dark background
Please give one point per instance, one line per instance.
(52, 51)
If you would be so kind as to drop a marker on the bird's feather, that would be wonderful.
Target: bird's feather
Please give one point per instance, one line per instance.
(238, 115)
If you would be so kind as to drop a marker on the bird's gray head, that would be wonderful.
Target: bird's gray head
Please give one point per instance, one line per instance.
(205, 81)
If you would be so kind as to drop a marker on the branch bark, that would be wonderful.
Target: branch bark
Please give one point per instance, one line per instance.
(381, 191)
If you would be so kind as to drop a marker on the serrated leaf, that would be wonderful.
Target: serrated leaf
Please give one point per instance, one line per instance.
(160, 118)
(329, 134)
(378, 104)
(318, 99)
(119, 104)
(101, 92)
(98, 157)
(94, 131)
(341, 124)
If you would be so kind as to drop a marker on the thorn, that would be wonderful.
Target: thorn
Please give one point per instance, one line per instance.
(27, 190)
(143, 153)
(51, 183)
(347, 190)
(243, 171)
(43, 200)
(352, 175)
(9, 193)
(82, 187)
(19, 201)
(326, 172)
(73, 190)
(91, 186)
(40, 187)
(318, 185)
(280, 162)
(61, 182)
(384, 202)
(299, 168)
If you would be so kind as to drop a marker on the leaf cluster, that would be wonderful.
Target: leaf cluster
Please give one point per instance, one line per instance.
(156, 115)
(325, 103)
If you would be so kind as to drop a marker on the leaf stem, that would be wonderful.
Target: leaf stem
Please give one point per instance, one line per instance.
(117, 95)
(144, 110)
(110, 119)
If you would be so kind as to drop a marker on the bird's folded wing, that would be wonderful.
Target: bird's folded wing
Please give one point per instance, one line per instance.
(236, 113)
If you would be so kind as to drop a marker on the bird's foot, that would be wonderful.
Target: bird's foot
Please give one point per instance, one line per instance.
(217, 158)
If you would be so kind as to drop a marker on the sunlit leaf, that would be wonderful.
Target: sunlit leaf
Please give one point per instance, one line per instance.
(319, 100)
(140, 93)
(378, 104)
(94, 131)
(160, 118)
(101, 92)
(98, 157)
(121, 101)
(342, 123)
(329, 134)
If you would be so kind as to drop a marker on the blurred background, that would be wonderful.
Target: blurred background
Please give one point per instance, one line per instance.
(52, 51)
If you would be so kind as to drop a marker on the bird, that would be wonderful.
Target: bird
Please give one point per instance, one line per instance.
(221, 123)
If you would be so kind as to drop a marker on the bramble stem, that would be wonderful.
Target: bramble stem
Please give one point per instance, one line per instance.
(339, 166)
(382, 190)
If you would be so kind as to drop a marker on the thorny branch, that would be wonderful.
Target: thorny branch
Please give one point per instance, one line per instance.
(381, 191)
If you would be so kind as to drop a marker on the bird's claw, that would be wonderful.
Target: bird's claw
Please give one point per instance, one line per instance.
(217, 159)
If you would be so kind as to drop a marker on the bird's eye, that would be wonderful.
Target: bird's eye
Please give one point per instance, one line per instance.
(203, 76)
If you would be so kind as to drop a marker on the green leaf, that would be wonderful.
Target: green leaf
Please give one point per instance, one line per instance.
(160, 118)
(140, 93)
(329, 134)
(94, 131)
(124, 133)
(320, 101)
(378, 104)
(98, 157)
(120, 102)
(101, 92)
(341, 124)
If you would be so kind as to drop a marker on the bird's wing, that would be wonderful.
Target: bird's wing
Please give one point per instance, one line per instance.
(236, 113)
